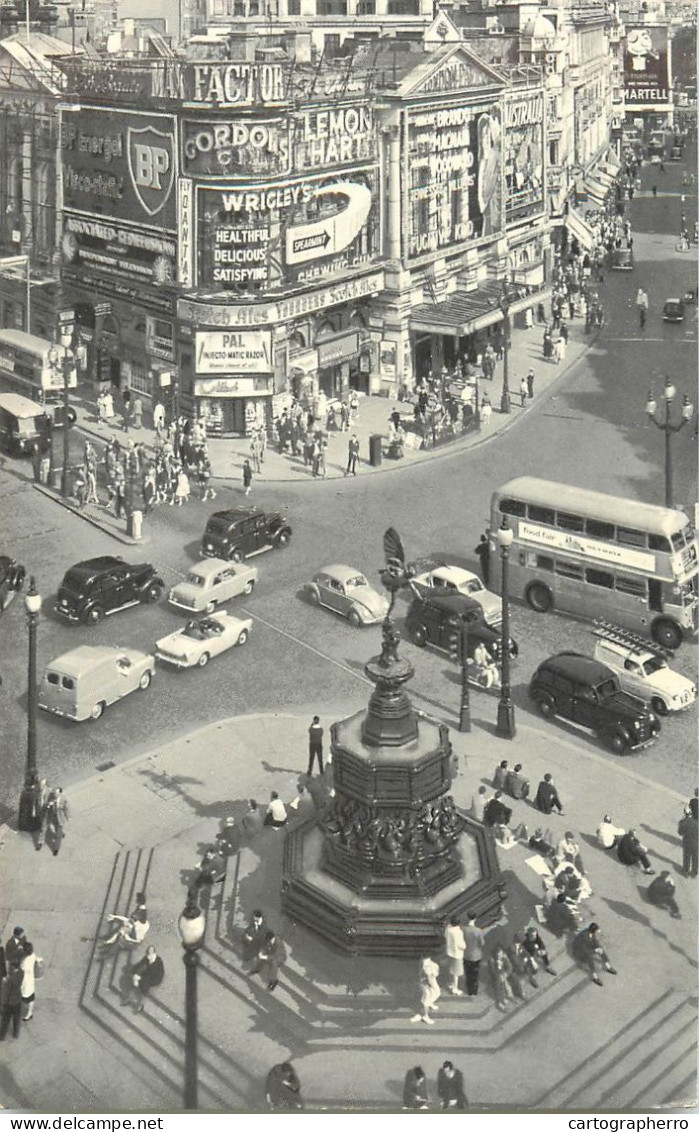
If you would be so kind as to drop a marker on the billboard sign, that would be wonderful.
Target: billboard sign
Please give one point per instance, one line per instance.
(233, 351)
(120, 250)
(455, 177)
(647, 69)
(263, 237)
(119, 165)
(523, 154)
(235, 148)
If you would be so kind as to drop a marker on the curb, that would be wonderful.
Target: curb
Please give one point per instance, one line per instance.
(120, 536)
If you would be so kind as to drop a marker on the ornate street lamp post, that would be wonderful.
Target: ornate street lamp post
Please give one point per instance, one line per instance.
(668, 428)
(27, 816)
(505, 301)
(506, 709)
(191, 926)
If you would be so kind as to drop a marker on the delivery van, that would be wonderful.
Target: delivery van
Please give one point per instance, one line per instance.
(81, 683)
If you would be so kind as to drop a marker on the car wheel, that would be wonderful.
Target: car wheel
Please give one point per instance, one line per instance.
(98, 710)
(203, 660)
(546, 706)
(354, 618)
(145, 680)
(539, 598)
(248, 588)
(152, 594)
(659, 706)
(235, 556)
(617, 742)
(93, 616)
(242, 637)
(283, 539)
(667, 634)
(314, 597)
(417, 636)
(210, 607)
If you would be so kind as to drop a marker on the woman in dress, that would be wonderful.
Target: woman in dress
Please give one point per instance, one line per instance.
(31, 969)
(501, 975)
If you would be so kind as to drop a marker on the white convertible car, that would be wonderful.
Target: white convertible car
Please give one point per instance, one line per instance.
(195, 644)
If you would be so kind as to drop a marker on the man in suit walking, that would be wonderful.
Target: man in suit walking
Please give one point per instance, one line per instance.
(475, 940)
(315, 745)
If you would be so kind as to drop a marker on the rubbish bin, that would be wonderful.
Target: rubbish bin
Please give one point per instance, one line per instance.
(134, 524)
(375, 441)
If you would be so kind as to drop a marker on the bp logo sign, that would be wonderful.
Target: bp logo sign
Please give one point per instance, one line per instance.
(151, 161)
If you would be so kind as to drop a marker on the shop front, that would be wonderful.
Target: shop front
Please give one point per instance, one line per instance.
(233, 406)
(233, 380)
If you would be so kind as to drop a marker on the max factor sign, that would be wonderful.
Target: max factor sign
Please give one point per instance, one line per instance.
(220, 84)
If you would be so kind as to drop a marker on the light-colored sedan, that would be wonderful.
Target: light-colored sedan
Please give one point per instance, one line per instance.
(346, 591)
(195, 644)
(454, 580)
(212, 582)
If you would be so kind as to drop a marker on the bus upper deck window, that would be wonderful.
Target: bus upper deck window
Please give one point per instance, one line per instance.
(568, 522)
(542, 514)
(512, 507)
(599, 530)
(678, 541)
(659, 542)
(629, 537)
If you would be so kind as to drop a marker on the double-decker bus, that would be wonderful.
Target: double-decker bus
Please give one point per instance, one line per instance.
(32, 366)
(598, 556)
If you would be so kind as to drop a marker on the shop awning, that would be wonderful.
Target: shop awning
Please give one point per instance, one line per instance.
(611, 164)
(580, 229)
(467, 311)
(462, 313)
(606, 179)
(595, 191)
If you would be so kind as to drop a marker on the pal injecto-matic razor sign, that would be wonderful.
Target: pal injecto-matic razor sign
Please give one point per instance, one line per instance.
(263, 237)
(119, 166)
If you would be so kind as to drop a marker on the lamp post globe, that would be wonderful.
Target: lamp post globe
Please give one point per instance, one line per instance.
(192, 927)
(506, 727)
(29, 819)
(668, 428)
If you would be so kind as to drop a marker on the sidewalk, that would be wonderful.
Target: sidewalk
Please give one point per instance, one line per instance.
(227, 455)
(345, 1023)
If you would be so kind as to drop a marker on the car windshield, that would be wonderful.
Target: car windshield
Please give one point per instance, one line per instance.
(356, 581)
(655, 664)
(196, 580)
(194, 630)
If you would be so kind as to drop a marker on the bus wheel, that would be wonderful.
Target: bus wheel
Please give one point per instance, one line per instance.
(667, 634)
(539, 597)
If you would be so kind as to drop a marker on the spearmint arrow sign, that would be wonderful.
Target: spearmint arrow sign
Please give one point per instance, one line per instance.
(333, 233)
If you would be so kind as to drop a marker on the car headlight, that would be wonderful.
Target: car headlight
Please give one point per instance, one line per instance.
(653, 720)
(637, 723)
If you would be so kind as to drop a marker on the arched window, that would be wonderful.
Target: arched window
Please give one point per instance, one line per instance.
(297, 342)
(325, 330)
(357, 319)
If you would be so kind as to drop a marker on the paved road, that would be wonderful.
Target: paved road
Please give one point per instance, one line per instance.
(592, 429)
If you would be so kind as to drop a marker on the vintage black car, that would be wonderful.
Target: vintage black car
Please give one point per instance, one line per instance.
(243, 531)
(673, 310)
(99, 587)
(580, 689)
(435, 619)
